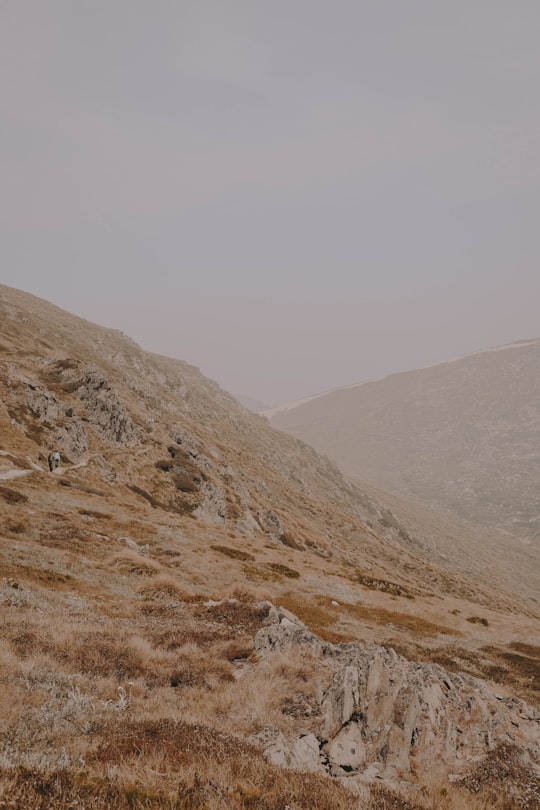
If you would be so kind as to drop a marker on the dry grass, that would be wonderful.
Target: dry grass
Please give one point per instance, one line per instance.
(12, 495)
(383, 585)
(233, 553)
(284, 570)
(129, 562)
(500, 665)
(407, 621)
(145, 712)
(504, 774)
(478, 620)
(320, 614)
(518, 670)
(128, 679)
(312, 614)
(165, 588)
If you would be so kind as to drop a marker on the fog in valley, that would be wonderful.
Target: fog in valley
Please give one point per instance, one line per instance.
(291, 196)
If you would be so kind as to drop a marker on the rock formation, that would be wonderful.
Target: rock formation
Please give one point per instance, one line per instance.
(383, 716)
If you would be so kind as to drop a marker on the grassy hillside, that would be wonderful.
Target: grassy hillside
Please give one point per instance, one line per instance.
(137, 577)
(461, 435)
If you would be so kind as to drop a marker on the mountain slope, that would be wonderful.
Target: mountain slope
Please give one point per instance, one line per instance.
(462, 435)
(137, 662)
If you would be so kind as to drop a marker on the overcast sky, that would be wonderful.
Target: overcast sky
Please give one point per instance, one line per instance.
(291, 194)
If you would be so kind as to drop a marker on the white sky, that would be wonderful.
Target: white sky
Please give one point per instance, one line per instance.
(291, 194)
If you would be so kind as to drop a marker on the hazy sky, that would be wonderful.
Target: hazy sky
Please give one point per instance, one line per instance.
(291, 194)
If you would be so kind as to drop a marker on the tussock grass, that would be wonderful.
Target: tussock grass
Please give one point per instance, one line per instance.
(383, 585)
(320, 615)
(195, 670)
(196, 751)
(503, 773)
(100, 654)
(519, 670)
(165, 588)
(130, 562)
(416, 624)
(12, 595)
(14, 527)
(248, 596)
(478, 620)
(234, 553)
(95, 514)
(283, 570)
(12, 495)
(178, 739)
(238, 616)
(312, 613)
(526, 649)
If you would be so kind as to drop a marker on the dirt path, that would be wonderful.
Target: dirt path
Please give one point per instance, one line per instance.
(7, 474)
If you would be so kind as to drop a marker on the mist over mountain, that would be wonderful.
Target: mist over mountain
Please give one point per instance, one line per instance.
(198, 610)
(252, 404)
(462, 435)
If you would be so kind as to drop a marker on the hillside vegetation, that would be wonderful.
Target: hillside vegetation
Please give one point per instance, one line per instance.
(461, 435)
(198, 611)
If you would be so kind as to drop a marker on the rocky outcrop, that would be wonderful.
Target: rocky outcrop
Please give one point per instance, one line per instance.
(44, 417)
(56, 407)
(103, 408)
(213, 506)
(385, 716)
(271, 524)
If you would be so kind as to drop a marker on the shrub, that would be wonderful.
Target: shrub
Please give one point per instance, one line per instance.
(284, 570)
(234, 553)
(478, 620)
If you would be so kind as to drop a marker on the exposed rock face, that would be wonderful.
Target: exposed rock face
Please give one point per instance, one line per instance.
(70, 435)
(302, 754)
(384, 715)
(103, 407)
(40, 414)
(213, 505)
(271, 524)
(44, 407)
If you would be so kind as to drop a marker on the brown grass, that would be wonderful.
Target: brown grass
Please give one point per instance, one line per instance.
(236, 615)
(319, 615)
(233, 553)
(406, 621)
(171, 744)
(133, 563)
(309, 612)
(504, 774)
(283, 570)
(516, 669)
(383, 585)
(478, 620)
(12, 496)
(99, 654)
(526, 649)
(80, 487)
(196, 670)
(165, 588)
(217, 770)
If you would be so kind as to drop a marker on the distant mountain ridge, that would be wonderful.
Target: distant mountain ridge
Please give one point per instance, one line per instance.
(251, 403)
(463, 435)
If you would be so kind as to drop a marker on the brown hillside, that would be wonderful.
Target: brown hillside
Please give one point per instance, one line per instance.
(142, 661)
(461, 435)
